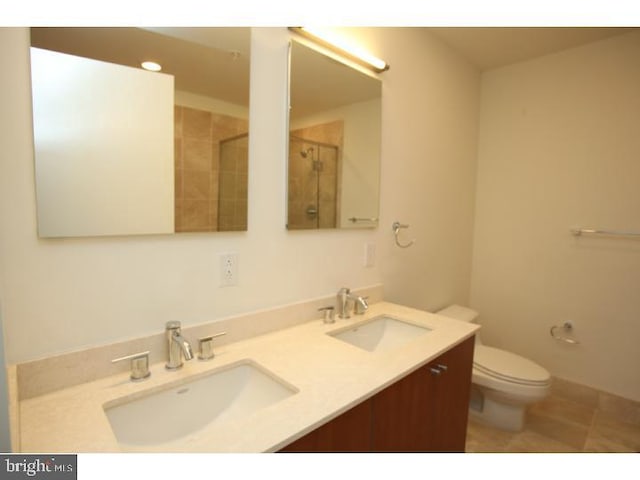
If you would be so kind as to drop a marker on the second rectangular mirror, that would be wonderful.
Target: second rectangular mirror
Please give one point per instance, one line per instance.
(334, 143)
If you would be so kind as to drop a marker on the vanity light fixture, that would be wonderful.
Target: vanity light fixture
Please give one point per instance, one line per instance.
(151, 66)
(339, 46)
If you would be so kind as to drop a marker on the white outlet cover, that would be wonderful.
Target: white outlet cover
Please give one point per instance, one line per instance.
(228, 269)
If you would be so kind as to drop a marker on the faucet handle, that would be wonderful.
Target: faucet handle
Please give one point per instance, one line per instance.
(206, 346)
(329, 314)
(139, 365)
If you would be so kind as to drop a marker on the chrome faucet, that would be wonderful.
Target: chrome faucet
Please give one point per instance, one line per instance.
(347, 303)
(343, 303)
(178, 346)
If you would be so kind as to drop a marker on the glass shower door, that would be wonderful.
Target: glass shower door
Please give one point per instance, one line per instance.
(312, 190)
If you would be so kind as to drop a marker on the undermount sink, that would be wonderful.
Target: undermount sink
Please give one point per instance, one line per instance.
(379, 333)
(185, 408)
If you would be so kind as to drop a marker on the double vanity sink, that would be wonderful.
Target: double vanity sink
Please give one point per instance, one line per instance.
(230, 393)
(258, 394)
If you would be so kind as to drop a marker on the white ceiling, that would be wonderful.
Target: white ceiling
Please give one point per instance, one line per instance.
(208, 61)
(491, 47)
(182, 51)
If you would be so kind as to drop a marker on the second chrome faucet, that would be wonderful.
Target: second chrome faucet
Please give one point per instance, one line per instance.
(347, 303)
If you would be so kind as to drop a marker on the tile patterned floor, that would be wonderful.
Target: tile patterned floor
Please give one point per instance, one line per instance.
(573, 418)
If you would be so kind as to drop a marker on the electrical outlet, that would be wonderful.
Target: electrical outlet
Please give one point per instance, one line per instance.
(228, 269)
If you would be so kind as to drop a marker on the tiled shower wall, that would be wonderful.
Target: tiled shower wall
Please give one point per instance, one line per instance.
(198, 135)
(330, 134)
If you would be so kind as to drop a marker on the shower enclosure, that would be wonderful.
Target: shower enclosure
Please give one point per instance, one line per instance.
(232, 186)
(211, 171)
(313, 185)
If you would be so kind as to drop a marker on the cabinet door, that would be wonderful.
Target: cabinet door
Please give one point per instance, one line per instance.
(350, 432)
(450, 398)
(402, 414)
(427, 410)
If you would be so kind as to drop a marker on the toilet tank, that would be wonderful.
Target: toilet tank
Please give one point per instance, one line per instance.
(458, 312)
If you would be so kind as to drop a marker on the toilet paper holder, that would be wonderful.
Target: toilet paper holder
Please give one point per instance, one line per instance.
(567, 327)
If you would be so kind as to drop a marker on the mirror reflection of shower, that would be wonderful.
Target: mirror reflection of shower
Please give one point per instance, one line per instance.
(315, 162)
(313, 191)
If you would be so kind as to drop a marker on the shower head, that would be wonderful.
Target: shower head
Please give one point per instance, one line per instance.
(306, 152)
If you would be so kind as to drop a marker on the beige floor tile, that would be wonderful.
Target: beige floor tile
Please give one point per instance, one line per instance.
(560, 430)
(600, 444)
(574, 391)
(528, 441)
(572, 419)
(608, 431)
(624, 410)
(563, 409)
(484, 439)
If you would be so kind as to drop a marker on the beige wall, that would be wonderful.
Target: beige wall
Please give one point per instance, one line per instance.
(560, 147)
(61, 295)
(430, 102)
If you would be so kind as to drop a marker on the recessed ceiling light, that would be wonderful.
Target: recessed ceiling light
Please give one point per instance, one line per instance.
(151, 66)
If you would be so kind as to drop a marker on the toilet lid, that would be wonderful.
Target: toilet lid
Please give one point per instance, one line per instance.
(509, 366)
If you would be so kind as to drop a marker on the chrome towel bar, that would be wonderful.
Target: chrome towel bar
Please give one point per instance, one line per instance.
(595, 231)
(359, 219)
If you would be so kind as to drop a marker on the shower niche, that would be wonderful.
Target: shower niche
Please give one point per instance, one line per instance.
(334, 143)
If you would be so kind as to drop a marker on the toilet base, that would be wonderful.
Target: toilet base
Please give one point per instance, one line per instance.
(486, 410)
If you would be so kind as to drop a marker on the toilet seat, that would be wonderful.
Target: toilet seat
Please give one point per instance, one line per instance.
(509, 367)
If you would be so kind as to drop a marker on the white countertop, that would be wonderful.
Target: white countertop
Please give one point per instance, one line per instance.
(331, 376)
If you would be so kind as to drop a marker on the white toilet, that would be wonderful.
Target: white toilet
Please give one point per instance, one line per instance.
(504, 383)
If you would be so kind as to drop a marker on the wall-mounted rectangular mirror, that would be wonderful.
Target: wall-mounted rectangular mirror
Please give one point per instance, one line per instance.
(334, 143)
(208, 134)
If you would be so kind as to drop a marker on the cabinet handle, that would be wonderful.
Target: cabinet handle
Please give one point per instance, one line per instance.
(439, 369)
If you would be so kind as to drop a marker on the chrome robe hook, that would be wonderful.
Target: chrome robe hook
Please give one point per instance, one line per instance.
(396, 228)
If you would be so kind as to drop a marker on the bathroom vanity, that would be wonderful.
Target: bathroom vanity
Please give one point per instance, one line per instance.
(426, 411)
(393, 379)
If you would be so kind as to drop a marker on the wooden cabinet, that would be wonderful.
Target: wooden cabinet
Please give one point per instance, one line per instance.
(350, 432)
(451, 391)
(426, 411)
